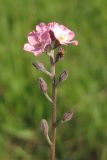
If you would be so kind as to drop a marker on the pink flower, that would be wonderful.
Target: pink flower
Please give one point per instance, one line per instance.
(52, 35)
(62, 34)
(37, 41)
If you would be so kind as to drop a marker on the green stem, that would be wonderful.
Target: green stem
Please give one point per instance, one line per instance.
(54, 92)
(47, 96)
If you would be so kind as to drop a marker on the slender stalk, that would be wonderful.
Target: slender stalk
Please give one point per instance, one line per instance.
(48, 139)
(48, 73)
(53, 131)
(47, 96)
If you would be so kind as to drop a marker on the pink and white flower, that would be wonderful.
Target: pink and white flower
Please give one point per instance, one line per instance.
(62, 34)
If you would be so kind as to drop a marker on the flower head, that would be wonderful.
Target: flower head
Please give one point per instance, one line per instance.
(37, 42)
(61, 33)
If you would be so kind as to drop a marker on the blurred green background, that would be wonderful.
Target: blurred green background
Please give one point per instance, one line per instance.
(22, 106)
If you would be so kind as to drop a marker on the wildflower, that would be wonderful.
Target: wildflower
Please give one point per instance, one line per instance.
(37, 42)
(62, 33)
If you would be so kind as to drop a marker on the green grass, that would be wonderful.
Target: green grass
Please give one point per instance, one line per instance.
(22, 106)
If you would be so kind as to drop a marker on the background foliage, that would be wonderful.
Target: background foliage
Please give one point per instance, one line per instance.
(85, 92)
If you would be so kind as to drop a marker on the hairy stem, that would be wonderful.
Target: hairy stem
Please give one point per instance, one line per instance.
(53, 131)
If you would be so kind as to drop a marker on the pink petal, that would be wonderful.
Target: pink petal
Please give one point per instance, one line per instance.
(71, 35)
(67, 33)
(41, 27)
(75, 43)
(33, 38)
(51, 24)
(55, 27)
(38, 52)
(28, 47)
(35, 50)
(45, 37)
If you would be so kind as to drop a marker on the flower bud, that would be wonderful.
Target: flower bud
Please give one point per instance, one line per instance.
(39, 66)
(63, 76)
(42, 85)
(60, 54)
(67, 116)
(61, 51)
(44, 127)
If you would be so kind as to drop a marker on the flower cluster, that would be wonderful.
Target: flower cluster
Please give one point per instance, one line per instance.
(49, 36)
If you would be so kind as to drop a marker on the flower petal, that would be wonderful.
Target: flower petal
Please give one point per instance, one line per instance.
(74, 43)
(28, 47)
(45, 37)
(33, 38)
(41, 27)
(38, 51)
